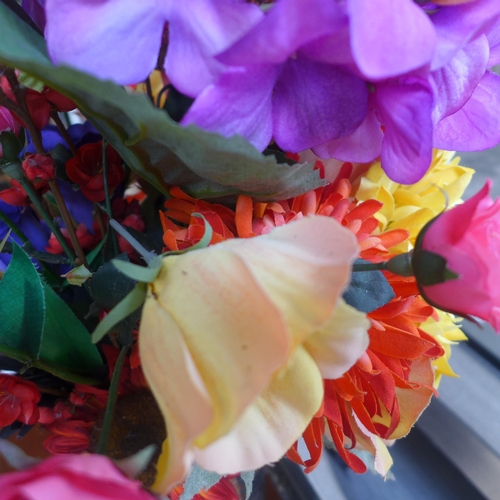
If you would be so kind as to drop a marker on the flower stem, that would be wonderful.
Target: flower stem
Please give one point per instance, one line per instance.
(379, 266)
(33, 195)
(110, 406)
(61, 204)
(144, 253)
(12, 225)
(107, 196)
(62, 130)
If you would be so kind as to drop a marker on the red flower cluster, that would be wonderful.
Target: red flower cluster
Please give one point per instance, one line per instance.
(39, 168)
(86, 170)
(18, 400)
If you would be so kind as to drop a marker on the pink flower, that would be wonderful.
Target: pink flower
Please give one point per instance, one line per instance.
(86, 477)
(468, 238)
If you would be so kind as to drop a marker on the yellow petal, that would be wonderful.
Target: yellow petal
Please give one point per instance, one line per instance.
(235, 334)
(272, 423)
(340, 342)
(177, 387)
(303, 267)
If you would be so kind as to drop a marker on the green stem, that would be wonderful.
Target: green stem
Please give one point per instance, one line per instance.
(62, 130)
(106, 194)
(15, 228)
(110, 406)
(380, 266)
(47, 218)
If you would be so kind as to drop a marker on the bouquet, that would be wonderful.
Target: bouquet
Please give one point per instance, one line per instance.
(228, 226)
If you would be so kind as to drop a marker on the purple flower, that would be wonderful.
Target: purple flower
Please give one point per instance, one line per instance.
(35, 10)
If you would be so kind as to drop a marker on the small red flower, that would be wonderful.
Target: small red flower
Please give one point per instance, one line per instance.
(86, 170)
(223, 490)
(18, 401)
(15, 195)
(39, 168)
(86, 239)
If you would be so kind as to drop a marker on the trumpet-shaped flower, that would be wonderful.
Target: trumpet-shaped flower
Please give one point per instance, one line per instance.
(249, 327)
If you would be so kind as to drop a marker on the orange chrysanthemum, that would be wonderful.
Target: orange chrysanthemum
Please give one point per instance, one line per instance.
(385, 392)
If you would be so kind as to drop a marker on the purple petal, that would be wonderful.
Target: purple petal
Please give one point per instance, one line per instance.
(493, 36)
(198, 30)
(314, 103)
(288, 26)
(405, 110)
(390, 37)
(240, 103)
(35, 10)
(332, 49)
(362, 146)
(36, 232)
(112, 39)
(79, 207)
(457, 24)
(50, 139)
(455, 82)
(476, 126)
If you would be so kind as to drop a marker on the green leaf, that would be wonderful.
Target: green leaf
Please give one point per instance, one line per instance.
(39, 328)
(127, 306)
(138, 273)
(154, 146)
(368, 290)
(198, 479)
(66, 342)
(22, 306)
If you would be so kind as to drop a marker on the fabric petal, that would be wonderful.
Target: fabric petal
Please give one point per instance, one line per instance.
(363, 145)
(115, 39)
(289, 25)
(235, 334)
(456, 25)
(298, 269)
(456, 81)
(272, 423)
(315, 102)
(198, 30)
(340, 342)
(163, 353)
(405, 109)
(377, 25)
(476, 126)
(240, 103)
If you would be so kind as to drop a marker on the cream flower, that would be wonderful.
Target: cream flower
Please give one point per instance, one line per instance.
(235, 340)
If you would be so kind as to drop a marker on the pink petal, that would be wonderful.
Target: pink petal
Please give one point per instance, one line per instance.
(379, 26)
(315, 102)
(476, 126)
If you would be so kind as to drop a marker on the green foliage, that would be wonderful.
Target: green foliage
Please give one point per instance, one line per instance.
(368, 290)
(154, 146)
(39, 328)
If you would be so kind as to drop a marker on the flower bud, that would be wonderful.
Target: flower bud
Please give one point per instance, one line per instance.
(38, 168)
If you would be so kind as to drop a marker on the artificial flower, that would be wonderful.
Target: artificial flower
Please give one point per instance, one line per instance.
(467, 237)
(268, 326)
(86, 477)
(39, 168)
(18, 400)
(223, 490)
(86, 170)
(410, 207)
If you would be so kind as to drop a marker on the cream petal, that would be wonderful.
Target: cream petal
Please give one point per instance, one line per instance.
(235, 334)
(303, 266)
(272, 423)
(340, 342)
(177, 387)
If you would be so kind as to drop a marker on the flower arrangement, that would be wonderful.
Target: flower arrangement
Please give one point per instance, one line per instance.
(227, 226)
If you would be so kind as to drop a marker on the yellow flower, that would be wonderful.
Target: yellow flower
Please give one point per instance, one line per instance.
(235, 340)
(412, 206)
